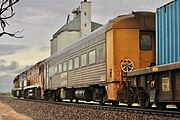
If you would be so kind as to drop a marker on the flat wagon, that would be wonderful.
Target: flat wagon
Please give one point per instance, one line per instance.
(161, 83)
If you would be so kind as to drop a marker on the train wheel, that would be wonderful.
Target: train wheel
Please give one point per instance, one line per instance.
(53, 97)
(161, 106)
(131, 96)
(142, 102)
(38, 94)
(149, 105)
(115, 103)
(59, 99)
(25, 94)
(71, 100)
(77, 100)
(178, 106)
(143, 98)
(102, 102)
(103, 99)
(47, 95)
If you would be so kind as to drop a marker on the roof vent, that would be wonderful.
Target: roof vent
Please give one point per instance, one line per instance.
(76, 11)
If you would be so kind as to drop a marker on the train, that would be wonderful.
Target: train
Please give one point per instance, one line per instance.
(115, 63)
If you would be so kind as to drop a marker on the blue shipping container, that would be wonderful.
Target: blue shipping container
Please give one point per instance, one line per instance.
(168, 33)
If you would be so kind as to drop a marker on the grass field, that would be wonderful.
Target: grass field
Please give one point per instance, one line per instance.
(5, 94)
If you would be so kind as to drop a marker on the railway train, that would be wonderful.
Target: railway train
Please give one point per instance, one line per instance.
(115, 63)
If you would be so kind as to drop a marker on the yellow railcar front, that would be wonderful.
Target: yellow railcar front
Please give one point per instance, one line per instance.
(130, 44)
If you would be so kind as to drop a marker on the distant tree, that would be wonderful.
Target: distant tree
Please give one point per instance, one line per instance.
(7, 12)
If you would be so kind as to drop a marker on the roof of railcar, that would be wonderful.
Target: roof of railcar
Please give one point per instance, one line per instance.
(81, 41)
(127, 16)
(95, 33)
(165, 5)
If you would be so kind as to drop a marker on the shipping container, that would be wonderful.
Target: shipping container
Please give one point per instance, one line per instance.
(168, 33)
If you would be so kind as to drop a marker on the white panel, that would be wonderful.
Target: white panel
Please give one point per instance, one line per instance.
(66, 38)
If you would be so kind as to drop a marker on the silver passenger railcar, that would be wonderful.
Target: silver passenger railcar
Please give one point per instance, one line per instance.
(72, 72)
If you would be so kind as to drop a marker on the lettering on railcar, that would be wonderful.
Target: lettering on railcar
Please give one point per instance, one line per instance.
(154, 69)
(165, 84)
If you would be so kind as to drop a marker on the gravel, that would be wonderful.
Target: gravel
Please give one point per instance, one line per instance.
(46, 111)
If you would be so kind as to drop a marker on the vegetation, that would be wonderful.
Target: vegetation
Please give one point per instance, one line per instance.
(7, 12)
(5, 94)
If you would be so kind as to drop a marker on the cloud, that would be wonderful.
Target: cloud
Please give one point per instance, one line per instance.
(23, 68)
(12, 68)
(43, 13)
(103, 10)
(8, 73)
(6, 83)
(9, 49)
(2, 62)
(14, 65)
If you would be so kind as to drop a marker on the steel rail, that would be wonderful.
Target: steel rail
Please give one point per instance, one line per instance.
(166, 113)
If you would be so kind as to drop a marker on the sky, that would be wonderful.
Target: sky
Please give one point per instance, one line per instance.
(40, 19)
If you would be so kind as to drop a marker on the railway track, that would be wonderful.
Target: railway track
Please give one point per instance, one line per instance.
(169, 112)
(40, 110)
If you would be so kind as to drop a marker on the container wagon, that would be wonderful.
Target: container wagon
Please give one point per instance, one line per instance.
(161, 83)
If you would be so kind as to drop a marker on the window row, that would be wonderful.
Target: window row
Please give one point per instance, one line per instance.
(94, 56)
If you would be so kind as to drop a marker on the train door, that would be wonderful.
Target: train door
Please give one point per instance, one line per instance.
(147, 48)
(45, 77)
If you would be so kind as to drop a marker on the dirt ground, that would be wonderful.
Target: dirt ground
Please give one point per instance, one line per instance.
(7, 113)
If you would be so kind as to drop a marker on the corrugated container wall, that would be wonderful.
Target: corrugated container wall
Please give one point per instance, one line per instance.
(168, 33)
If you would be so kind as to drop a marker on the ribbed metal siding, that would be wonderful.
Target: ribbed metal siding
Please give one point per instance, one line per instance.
(56, 81)
(90, 75)
(168, 33)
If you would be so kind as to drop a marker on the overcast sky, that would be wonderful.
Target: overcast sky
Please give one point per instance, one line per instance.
(40, 19)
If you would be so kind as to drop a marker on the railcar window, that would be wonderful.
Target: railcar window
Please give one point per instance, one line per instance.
(24, 75)
(55, 69)
(92, 57)
(76, 62)
(65, 66)
(28, 82)
(47, 67)
(47, 71)
(70, 64)
(100, 55)
(83, 60)
(146, 42)
(35, 78)
(51, 71)
(60, 68)
(40, 69)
